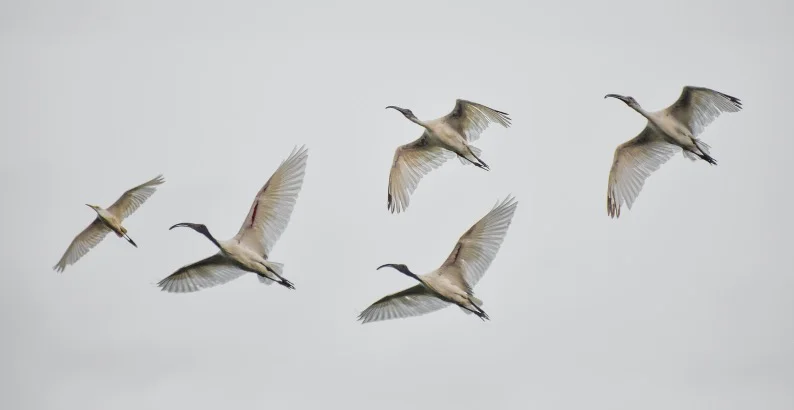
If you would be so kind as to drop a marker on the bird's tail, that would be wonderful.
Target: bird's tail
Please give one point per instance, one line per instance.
(473, 157)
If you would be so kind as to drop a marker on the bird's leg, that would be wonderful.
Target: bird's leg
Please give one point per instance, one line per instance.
(480, 313)
(127, 237)
(482, 163)
(476, 161)
(709, 159)
(287, 284)
(702, 153)
(477, 311)
(281, 281)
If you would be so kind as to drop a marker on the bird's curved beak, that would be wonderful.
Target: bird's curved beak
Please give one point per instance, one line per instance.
(391, 265)
(396, 108)
(179, 225)
(618, 96)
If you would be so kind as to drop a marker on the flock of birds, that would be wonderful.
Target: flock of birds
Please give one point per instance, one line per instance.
(667, 132)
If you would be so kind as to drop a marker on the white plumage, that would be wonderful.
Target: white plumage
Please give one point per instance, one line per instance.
(249, 250)
(443, 138)
(669, 131)
(453, 282)
(108, 220)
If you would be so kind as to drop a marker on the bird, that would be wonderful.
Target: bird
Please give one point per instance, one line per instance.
(249, 250)
(453, 282)
(108, 220)
(673, 129)
(442, 139)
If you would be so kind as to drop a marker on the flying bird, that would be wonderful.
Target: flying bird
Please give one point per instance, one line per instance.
(454, 281)
(443, 138)
(249, 250)
(108, 220)
(669, 131)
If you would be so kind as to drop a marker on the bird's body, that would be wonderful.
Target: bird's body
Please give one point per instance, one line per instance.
(443, 138)
(441, 134)
(247, 259)
(453, 282)
(673, 129)
(249, 250)
(448, 285)
(108, 220)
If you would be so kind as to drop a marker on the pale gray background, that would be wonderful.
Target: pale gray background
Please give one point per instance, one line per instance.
(684, 303)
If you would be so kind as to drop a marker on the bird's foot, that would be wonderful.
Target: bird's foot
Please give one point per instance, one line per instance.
(287, 284)
(709, 159)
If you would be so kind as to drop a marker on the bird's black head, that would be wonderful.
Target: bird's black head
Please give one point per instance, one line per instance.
(195, 227)
(400, 267)
(200, 228)
(406, 112)
(630, 101)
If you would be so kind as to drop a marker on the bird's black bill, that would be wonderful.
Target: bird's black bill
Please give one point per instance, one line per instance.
(179, 225)
(391, 265)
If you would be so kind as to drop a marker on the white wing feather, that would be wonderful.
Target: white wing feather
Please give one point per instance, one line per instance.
(471, 119)
(633, 163)
(414, 301)
(131, 200)
(270, 213)
(697, 107)
(82, 243)
(477, 248)
(212, 271)
(411, 162)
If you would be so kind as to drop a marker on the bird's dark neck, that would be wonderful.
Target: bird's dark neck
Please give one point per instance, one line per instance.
(417, 121)
(636, 107)
(206, 232)
(408, 273)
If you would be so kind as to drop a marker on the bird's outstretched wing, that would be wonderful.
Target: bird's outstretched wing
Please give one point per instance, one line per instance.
(212, 271)
(471, 119)
(269, 214)
(697, 107)
(131, 200)
(411, 162)
(634, 161)
(82, 243)
(477, 247)
(414, 301)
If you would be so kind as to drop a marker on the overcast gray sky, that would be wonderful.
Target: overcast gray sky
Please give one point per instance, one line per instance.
(685, 302)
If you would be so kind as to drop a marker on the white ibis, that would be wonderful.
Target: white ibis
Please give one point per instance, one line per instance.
(249, 250)
(454, 281)
(667, 132)
(442, 139)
